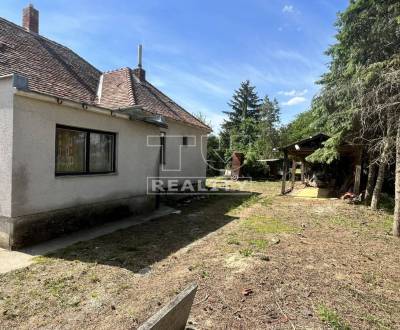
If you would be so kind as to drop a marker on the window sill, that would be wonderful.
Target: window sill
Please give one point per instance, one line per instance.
(63, 176)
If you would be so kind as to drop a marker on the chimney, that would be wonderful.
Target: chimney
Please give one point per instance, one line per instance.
(30, 19)
(139, 72)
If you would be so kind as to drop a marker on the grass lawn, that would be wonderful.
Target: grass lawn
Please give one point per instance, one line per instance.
(309, 263)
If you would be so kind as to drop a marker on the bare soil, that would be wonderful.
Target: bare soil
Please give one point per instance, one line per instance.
(262, 261)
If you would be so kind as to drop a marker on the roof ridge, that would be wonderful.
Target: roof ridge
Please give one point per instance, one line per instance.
(180, 107)
(131, 91)
(116, 70)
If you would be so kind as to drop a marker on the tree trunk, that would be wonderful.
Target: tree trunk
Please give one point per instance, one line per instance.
(378, 186)
(382, 168)
(370, 181)
(396, 216)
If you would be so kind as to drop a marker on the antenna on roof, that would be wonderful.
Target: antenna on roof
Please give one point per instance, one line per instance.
(140, 56)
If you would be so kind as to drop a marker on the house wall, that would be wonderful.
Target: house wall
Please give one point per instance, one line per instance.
(184, 161)
(36, 204)
(6, 134)
(35, 186)
(6, 145)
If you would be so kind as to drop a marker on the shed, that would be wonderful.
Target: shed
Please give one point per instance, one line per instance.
(340, 175)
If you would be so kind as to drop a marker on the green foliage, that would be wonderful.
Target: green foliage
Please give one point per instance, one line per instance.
(245, 103)
(331, 318)
(215, 156)
(328, 153)
(354, 95)
(252, 127)
(246, 252)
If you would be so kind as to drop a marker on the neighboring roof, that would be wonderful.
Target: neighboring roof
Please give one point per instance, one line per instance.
(311, 142)
(55, 70)
(271, 160)
(307, 146)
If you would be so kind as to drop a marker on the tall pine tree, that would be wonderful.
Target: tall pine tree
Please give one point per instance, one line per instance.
(245, 103)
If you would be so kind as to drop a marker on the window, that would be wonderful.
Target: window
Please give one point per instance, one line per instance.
(162, 148)
(84, 151)
(185, 140)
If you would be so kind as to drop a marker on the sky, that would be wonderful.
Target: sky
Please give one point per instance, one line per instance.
(199, 51)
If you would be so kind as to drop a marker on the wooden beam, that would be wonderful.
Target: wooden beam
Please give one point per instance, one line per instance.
(302, 172)
(293, 178)
(284, 173)
(357, 180)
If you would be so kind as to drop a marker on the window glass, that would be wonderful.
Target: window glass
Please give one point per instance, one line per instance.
(185, 140)
(71, 151)
(101, 152)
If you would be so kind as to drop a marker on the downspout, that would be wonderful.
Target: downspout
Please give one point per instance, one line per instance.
(158, 197)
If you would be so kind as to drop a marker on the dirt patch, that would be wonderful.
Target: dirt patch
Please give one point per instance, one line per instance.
(261, 261)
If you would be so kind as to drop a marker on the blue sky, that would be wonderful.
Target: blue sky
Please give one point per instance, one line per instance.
(198, 51)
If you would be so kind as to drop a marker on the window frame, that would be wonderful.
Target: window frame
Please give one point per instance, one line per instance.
(87, 153)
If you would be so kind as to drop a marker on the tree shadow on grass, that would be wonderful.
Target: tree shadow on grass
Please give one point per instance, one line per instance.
(142, 245)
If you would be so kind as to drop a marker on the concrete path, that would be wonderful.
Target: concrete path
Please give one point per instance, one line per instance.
(11, 260)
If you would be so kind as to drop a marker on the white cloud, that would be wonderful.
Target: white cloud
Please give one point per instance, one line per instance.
(288, 9)
(295, 100)
(294, 92)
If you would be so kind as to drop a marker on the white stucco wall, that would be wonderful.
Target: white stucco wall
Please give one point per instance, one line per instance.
(6, 146)
(35, 186)
(184, 161)
(27, 156)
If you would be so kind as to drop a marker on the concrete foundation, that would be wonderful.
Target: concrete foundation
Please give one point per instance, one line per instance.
(27, 230)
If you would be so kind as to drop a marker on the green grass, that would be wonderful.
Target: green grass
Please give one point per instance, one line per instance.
(205, 274)
(263, 225)
(246, 252)
(233, 241)
(56, 286)
(266, 201)
(40, 260)
(331, 318)
(260, 244)
(251, 200)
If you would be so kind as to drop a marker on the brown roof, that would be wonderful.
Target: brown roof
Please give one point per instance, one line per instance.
(56, 70)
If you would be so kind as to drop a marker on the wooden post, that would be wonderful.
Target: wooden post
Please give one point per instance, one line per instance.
(294, 164)
(284, 173)
(302, 172)
(357, 180)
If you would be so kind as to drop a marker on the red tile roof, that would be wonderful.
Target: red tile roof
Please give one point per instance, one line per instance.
(56, 70)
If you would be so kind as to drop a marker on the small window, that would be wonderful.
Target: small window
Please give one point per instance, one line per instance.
(162, 148)
(83, 151)
(185, 140)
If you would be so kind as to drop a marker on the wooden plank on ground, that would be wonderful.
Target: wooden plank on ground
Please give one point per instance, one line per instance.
(175, 314)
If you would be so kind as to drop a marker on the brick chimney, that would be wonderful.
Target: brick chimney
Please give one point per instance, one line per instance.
(30, 19)
(139, 72)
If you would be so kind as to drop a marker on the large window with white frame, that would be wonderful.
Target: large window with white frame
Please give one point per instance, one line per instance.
(81, 151)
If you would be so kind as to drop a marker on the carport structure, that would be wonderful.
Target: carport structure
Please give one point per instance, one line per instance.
(345, 172)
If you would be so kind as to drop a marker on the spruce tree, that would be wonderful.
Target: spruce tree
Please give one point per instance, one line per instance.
(245, 103)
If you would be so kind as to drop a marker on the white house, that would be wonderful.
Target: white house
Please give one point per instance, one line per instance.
(78, 146)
